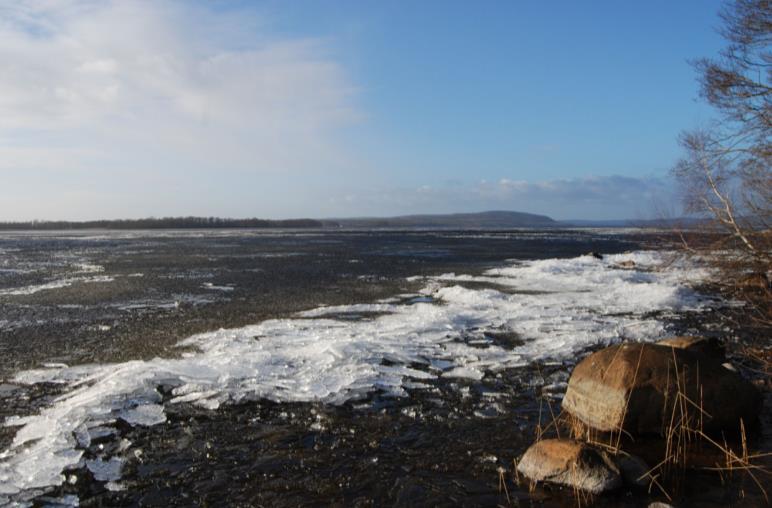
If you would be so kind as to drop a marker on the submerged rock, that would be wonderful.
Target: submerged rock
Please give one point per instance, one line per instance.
(634, 470)
(570, 463)
(636, 386)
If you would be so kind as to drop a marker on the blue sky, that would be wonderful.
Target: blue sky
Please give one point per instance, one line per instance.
(312, 108)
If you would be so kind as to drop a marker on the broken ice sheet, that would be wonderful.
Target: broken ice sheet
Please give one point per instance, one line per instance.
(146, 415)
(318, 359)
(86, 435)
(105, 470)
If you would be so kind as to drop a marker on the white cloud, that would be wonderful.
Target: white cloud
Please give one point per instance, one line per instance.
(112, 93)
(592, 197)
(156, 107)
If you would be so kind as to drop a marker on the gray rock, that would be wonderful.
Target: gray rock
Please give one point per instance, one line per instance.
(570, 463)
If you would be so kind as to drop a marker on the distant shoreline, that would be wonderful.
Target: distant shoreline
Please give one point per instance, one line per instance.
(162, 223)
(490, 220)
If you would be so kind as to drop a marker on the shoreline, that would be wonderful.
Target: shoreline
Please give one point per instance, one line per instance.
(459, 410)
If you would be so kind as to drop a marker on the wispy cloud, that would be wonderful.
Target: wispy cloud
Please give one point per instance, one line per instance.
(100, 96)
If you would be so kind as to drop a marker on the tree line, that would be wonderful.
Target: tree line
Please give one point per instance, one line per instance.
(163, 223)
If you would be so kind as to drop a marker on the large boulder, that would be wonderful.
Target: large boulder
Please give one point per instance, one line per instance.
(709, 346)
(571, 463)
(636, 386)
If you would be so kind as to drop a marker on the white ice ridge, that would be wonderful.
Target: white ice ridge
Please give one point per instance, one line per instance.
(558, 306)
(56, 284)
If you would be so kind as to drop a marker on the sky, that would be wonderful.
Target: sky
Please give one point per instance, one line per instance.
(311, 108)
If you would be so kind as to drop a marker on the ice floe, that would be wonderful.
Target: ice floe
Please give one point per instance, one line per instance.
(56, 284)
(575, 303)
(215, 287)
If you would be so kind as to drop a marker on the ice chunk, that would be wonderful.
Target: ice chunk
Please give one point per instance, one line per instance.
(146, 414)
(213, 287)
(86, 435)
(464, 372)
(115, 486)
(66, 501)
(105, 470)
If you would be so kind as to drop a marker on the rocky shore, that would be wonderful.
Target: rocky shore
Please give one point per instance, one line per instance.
(457, 445)
(421, 379)
(650, 418)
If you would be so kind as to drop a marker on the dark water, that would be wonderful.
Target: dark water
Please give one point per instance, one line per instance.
(115, 297)
(161, 287)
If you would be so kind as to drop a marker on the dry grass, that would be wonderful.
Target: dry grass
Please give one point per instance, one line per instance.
(743, 462)
(683, 433)
(503, 483)
(581, 497)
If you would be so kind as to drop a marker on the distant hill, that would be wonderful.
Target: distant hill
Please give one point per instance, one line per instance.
(162, 223)
(482, 220)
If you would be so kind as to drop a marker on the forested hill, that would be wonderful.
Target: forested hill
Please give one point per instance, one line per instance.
(482, 220)
(163, 223)
(485, 220)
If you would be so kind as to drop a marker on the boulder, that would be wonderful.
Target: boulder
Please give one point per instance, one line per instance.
(570, 463)
(634, 386)
(709, 346)
(634, 470)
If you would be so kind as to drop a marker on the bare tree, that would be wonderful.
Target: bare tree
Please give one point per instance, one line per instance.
(725, 175)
